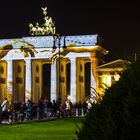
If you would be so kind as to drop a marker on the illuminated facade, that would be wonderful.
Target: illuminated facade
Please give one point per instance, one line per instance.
(30, 67)
(108, 74)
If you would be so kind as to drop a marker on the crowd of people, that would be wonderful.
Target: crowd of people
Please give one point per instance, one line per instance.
(17, 111)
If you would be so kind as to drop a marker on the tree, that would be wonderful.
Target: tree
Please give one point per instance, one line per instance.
(117, 115)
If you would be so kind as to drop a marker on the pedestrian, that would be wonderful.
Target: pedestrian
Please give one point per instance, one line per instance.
(10, 114)
(5, 107)
(62, 109)
(29, 110)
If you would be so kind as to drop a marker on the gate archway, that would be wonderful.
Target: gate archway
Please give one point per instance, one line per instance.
(46, 81)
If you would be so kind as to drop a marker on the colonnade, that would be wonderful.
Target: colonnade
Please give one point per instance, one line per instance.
(23, 79)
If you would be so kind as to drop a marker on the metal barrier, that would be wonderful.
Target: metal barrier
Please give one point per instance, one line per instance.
(46, 113)
(80, 112)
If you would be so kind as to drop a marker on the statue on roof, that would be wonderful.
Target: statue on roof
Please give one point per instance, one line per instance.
(47, 28)
(44, 10)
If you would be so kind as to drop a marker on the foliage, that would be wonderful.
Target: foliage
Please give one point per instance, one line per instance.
(117, 116)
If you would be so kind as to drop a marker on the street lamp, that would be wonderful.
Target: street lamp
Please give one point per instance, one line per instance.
(57, 43)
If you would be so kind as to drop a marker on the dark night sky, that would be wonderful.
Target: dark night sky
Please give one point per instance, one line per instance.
(117, 22)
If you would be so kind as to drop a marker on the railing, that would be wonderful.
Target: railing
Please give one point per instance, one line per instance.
(45, 114)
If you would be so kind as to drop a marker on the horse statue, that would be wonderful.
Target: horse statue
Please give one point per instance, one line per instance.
(37, 30)
(32, 29)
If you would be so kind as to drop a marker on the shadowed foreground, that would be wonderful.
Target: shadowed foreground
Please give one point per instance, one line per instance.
(62, 129)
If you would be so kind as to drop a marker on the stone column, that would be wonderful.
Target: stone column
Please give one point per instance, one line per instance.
(53, 81)
(73, 80)
(94, 64)
(93, 82)
(10, 79)
(28, 80)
